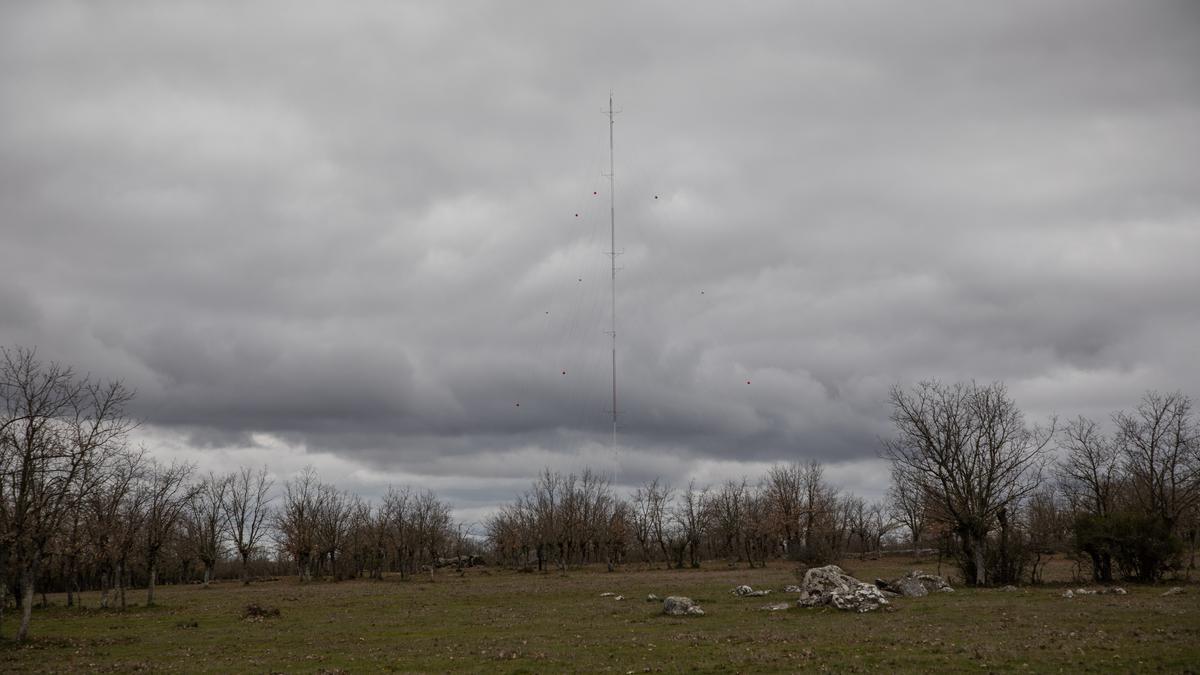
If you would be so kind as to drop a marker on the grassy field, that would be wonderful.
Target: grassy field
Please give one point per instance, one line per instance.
(500, 621)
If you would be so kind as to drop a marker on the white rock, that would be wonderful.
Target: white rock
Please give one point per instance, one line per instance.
(677, 605)
(829, 585)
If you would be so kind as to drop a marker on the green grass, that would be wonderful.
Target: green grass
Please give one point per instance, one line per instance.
(500, 621)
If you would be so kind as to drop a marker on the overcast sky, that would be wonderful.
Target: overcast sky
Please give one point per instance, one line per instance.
(358, 235)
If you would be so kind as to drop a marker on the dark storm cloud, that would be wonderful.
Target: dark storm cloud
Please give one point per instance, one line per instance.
(354, 229)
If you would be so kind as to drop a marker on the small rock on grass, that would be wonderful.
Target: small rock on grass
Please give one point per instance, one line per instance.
(1174, 590)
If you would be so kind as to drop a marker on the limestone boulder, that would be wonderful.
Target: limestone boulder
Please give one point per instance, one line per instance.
(831, 586)
(915, 584)
(677, 605)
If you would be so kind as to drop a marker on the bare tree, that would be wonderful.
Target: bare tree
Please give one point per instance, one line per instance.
(785, 494)
(728, 509)
(640, 514)
(204, 522)
(968, 447)
(53, 426)
(332, 516)
(1090, 468)
(110, 532)
(396, 509)
(1160, 444)
(168, 494)
(297, 520)
(691, 517)
(907, 504)
(660, 497)
(246, 508)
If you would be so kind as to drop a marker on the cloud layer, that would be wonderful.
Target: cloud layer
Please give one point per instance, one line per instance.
(368, 234)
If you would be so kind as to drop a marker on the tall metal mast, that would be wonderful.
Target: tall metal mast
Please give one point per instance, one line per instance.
(612, 217)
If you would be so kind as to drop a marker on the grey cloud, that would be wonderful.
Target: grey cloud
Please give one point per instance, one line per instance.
(354, 228)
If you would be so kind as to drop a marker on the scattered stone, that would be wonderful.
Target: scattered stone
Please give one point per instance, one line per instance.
(791, 589)
(744, 591)
(1084, 591)
(945, 589)
(1068, 593)
(607, 595)
(677, 605)
(652, 598)
(775, 607)
(1175, 590)
(619, 597)
(1010, 589)
(831, 586)
(1113, 590)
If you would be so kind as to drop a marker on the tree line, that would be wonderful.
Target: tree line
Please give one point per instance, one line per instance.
(82, 510)
(793, 511)
(967, 467)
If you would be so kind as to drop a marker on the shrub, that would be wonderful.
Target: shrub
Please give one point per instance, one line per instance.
(1138, 547)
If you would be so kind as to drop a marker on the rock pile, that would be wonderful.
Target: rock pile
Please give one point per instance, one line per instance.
(831, 586)
(915, 584)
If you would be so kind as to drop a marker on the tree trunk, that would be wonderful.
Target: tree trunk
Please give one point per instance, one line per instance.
(245, 569)
(207, 574)
(121, 584)
(1005, 575)
(980, 563)
(28, 573)
(150, 585)
(70, 581)
(105, 585)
